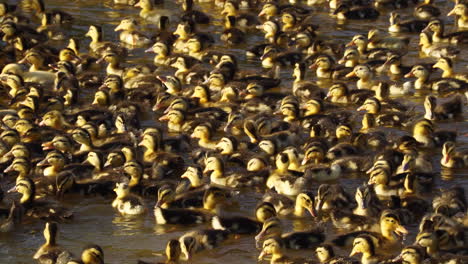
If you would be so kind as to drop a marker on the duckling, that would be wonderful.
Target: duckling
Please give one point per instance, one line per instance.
(244, 20)
(284, 206)
(239, 224)
(173, 253)
(204, 133)
(296, 240)
(384, 118)
(431, 241)
(398, 26)
(198, 240)
(149, 13)
(460, 10)
(365, 75)
(375, 40)
(326, 254)
(50, 249)
(37, 8)
(426, 10)
(98, 46)
(441, 84)
(275, 247)
(423, 132)
(216, 169)
(38, 208)
(286, 182)
(428, 48)
(127, 203)
(14, 219)
(231, 34)
(344, 11)
(436, 26)
(390, 229)
(446, 65)
(452, 159)
(175, 121)
(177, 216)
(325, 68)
(113, 60)
(361, 42)
(367, 201)
(363, 244)
(196, 16)
(130, 35)
(448, 110)
(339, 93)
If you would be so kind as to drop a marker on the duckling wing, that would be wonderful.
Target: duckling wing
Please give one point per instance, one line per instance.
(179, 216)
(303, 240)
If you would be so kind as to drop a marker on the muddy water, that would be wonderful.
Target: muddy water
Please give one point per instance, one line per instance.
(125, 240)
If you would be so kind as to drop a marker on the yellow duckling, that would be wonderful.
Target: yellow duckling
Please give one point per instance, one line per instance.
(365, 75)
(275, 248)
(130, 34)
(54, 162)
(446, 65)
(175, 120)
(204, 134)
(287, 207)
(216, 168)
(363, 244)
(113, 66)
(162, 52)
(149, 13)
(195, 241)
(375, 40)
(173, 253)
(326, 254)
(461, 12)
(42, 77)
(435, 50)
(50, 249)
(127, 203)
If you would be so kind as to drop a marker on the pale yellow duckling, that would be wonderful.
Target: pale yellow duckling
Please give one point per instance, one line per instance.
(113, 66)
(215, 166)
(461, 12)
(446, 65)
(42, 77)
(130, 34)
(364, 245)
(162, 51)
(175, 120)
(127, 203)
(150, 13)
(204, 134)
(365, 75)
(275, 248)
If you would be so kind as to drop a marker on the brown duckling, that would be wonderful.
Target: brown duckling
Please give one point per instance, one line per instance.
(173, 253)
(50, 249)
(365, 245)
(450, 109)
(296, 240)
(426, 10)
(38, 208)
(198, 240)
(398, 26)
(99, 46)
(344, 11)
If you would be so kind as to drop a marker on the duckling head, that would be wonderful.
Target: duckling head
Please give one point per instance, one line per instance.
(94, 32)
(214, 198)
(20, 166)
(26, 187)
(127, 24)
(324, 253)
(459, 10)
(95, 159)
(202, 93)
(92, 254)
(194, 175)
(269, 10)
(343, 132)
(230, 8)
(314, 152)
(423, 128)
(166, 195)
(68, 54)
(435, 26)
(213, 164)
(363, 72)
(227, 145)
(256, 164)
(184, 30)
(151, 141)
(202, 132)
(360, 41)
(271, 246)
(364, 196)
(350, 57)
(288, 19)
(363, 244)
(306, 201)
(412, 255)
(265, 211)
(10, 137)
(390, 222)
(144, 4)
(337, 90)
(135, 170)
(122, 189)
(448, 150)
(371, 105)
(53, 119)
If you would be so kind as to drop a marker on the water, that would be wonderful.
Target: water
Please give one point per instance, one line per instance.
(125, 240)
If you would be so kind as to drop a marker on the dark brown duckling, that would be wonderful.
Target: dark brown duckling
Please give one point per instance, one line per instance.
(344, 11)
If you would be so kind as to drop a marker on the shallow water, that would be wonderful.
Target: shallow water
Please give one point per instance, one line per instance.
(125, 240)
